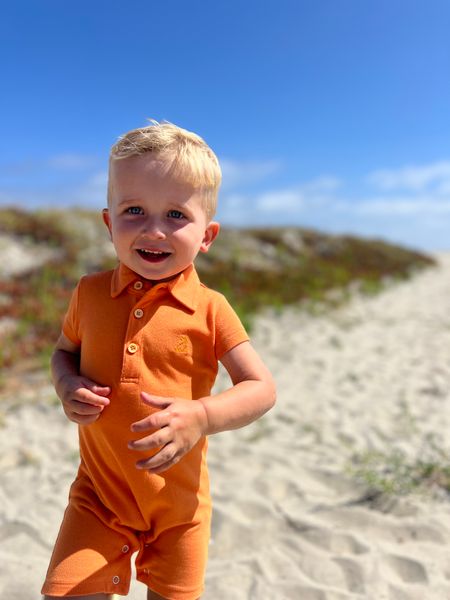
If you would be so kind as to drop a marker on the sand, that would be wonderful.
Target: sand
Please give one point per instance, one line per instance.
(292, 521)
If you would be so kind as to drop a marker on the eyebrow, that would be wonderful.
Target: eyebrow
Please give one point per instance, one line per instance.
(127, 201)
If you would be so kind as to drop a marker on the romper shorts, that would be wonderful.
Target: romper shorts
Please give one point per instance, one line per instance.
(93, 552)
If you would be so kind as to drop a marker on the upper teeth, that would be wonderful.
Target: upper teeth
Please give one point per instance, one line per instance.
(151, 251)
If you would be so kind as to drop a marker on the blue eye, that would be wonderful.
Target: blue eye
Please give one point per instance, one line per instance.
(135, 210)
(175, 214)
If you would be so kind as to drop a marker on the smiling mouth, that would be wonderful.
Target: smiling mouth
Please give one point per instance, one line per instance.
(152, 256)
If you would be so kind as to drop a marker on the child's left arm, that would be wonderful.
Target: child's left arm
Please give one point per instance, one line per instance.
(180, 423)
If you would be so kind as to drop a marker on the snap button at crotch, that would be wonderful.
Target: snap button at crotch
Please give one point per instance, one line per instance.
(125, 548)
(116, 579)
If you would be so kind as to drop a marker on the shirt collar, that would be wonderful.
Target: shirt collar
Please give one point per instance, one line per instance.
(184, 287)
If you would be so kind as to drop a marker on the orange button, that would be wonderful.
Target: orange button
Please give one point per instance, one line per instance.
(138, 285)
(139, 313)
(132, 348)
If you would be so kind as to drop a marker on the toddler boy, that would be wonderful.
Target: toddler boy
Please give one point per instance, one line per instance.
(134, 367)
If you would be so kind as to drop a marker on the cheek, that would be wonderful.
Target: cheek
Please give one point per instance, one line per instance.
(188, 236)
(122, 229)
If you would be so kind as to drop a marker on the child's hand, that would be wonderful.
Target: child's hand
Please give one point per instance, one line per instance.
(83, 400)
(177, 428)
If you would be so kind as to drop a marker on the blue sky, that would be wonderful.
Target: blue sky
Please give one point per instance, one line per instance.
(332, 114)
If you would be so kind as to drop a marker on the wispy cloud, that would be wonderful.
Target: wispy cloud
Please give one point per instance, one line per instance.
(322, 185)
(93, 191)
(243, 173)
(399, 206)
(290, 200)
(88, 191)
(72, 162)
(63, 179)
(281, 200)
(287, 205)
(419, 194)
(414, 178)
(47, 165)
(408, 205)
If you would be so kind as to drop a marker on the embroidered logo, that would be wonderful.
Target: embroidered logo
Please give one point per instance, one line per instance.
(182, 345)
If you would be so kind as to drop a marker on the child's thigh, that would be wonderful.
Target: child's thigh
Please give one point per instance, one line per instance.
(173, 565)
(89, 556)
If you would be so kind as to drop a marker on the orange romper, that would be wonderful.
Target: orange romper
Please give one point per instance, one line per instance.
(164, 339)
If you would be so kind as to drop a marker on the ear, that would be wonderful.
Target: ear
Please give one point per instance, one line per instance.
(211, 232)
(107, 221)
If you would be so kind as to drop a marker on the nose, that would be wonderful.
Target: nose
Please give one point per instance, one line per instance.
(153, 228)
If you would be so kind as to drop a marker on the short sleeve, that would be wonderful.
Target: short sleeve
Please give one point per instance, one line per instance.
(228, 328)
(71, 324)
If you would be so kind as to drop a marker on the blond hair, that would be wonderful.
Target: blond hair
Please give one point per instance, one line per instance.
(187, 155)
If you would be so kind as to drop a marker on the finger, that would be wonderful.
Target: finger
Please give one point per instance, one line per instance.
(160, 438)
(88, 397)
(161, 461)
(82, 408)
(154, 421)
(100, 390)
(83, 419)
(163, 467)
(157, 401)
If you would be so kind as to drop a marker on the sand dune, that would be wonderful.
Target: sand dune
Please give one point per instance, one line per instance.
(291, 521)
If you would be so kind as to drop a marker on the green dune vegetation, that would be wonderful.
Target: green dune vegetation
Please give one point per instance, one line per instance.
(254, 268)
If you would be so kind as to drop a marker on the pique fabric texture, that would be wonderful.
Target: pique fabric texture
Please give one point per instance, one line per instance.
(165, 339)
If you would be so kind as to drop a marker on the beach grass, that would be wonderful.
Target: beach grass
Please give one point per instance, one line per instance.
(254, 268)
(393, 472)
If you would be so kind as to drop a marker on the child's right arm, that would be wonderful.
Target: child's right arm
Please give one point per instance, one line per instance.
(83, 400)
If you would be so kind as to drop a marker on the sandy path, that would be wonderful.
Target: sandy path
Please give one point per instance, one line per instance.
(290, 522)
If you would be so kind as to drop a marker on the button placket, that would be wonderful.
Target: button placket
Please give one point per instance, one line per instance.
(139, 316)
(131, 363)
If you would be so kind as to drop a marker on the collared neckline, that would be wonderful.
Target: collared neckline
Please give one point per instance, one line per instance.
(184, 287)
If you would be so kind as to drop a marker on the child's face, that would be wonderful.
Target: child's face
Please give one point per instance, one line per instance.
(157, 224)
